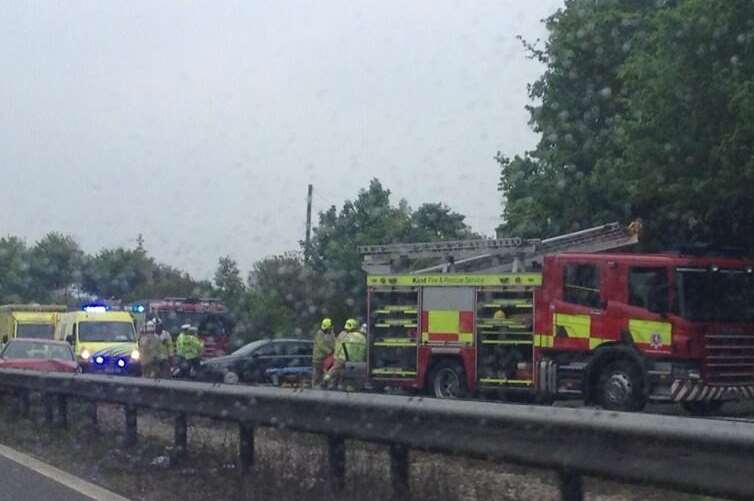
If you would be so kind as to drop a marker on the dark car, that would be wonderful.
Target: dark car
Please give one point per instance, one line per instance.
(251, 363)
(38, 354)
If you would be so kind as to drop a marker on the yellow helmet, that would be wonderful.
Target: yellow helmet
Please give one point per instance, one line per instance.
(326, 324)
(352, 324)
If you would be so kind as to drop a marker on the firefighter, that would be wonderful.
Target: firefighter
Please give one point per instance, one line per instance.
(324, 345)
(166, 350)
(149, 351)
(189, 348)
(350, 346)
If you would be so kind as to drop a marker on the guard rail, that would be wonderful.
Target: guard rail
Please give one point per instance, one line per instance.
(697, 456)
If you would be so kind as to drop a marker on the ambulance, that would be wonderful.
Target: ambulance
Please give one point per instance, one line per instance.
(104, 341)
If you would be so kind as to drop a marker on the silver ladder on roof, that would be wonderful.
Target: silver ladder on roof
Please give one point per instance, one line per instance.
(491, 255)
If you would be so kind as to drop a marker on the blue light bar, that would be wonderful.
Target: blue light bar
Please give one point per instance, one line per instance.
(95, 307)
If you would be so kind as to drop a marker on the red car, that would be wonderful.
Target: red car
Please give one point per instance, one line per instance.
(39, 355)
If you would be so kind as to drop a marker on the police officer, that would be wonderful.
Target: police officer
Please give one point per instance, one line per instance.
(189, 347)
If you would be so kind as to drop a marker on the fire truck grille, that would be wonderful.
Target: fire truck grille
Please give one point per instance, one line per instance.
(729, 358)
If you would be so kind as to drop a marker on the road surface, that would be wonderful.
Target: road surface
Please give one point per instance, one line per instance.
(27, 479)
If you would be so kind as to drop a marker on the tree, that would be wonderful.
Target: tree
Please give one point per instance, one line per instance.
(55, 263)
(228, 282)
(117, 273)
(436, 221)
(577, 104)
(15, 284)
(685, 152)
(646, 111)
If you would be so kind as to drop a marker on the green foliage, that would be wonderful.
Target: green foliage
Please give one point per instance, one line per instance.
(117, 273)
(645, 110)
(15, 283)
(48, 271)
(55, 262)
(228, 283)
(288, 297)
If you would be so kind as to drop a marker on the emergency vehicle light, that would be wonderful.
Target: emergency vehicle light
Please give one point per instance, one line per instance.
(95, 307)
(121, 363)
(99, 360)
(138, 308)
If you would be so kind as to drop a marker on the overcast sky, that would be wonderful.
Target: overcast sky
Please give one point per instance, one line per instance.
(199, 124)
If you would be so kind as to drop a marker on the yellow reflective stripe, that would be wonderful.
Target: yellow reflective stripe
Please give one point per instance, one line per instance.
(650, 332)
(491, 380)
(544, 340)
(455, 280)
(466, 337)
(594, 342)
(393, 372)
(576, 326)
(443, 321)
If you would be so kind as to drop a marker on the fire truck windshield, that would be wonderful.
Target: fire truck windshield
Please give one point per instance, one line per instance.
(207, 323)
(726, 295)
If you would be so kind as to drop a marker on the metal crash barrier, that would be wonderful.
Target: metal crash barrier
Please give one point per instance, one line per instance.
(697, 456)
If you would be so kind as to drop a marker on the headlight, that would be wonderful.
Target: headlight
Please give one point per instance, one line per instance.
(85, 354)
(135, 355)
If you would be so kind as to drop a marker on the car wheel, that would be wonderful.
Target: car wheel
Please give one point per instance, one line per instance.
(230, 377)
(620, 387)
(448, 380)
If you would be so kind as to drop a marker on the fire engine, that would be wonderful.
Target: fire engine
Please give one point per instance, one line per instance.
(569, 317)
(209, 315)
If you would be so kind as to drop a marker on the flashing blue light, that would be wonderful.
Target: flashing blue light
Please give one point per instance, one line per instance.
(138, 308)
(95, 307)
(121, 363)
(99, 360)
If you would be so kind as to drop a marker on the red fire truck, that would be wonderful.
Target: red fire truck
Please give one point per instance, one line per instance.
(209, 315)
(615, 329)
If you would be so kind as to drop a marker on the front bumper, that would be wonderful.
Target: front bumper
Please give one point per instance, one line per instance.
(111, 367)
(698, 391)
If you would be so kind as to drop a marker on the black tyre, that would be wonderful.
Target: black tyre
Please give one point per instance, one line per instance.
(702, 408)
(621, 387)
(448, 380)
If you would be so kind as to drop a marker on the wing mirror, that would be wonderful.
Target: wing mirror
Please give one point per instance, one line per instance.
(69, 339)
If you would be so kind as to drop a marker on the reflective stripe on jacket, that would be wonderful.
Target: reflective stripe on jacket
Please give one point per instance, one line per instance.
(166, 346)
(188, 346)
(351, 347)
(324, 344)
(149, 348)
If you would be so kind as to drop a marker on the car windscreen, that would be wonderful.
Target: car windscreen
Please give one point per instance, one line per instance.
(36, 331)
(726, 295)
(27, 349)
(106, 331)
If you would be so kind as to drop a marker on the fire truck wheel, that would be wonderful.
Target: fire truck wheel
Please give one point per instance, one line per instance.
(702, 408)
(230, 377)
(620, 387)
(448, 380)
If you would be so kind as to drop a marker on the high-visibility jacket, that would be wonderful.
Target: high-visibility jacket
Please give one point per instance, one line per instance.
(149, 348)
(188, 346)
(166, 345)
(324, 344)
(351, 347)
